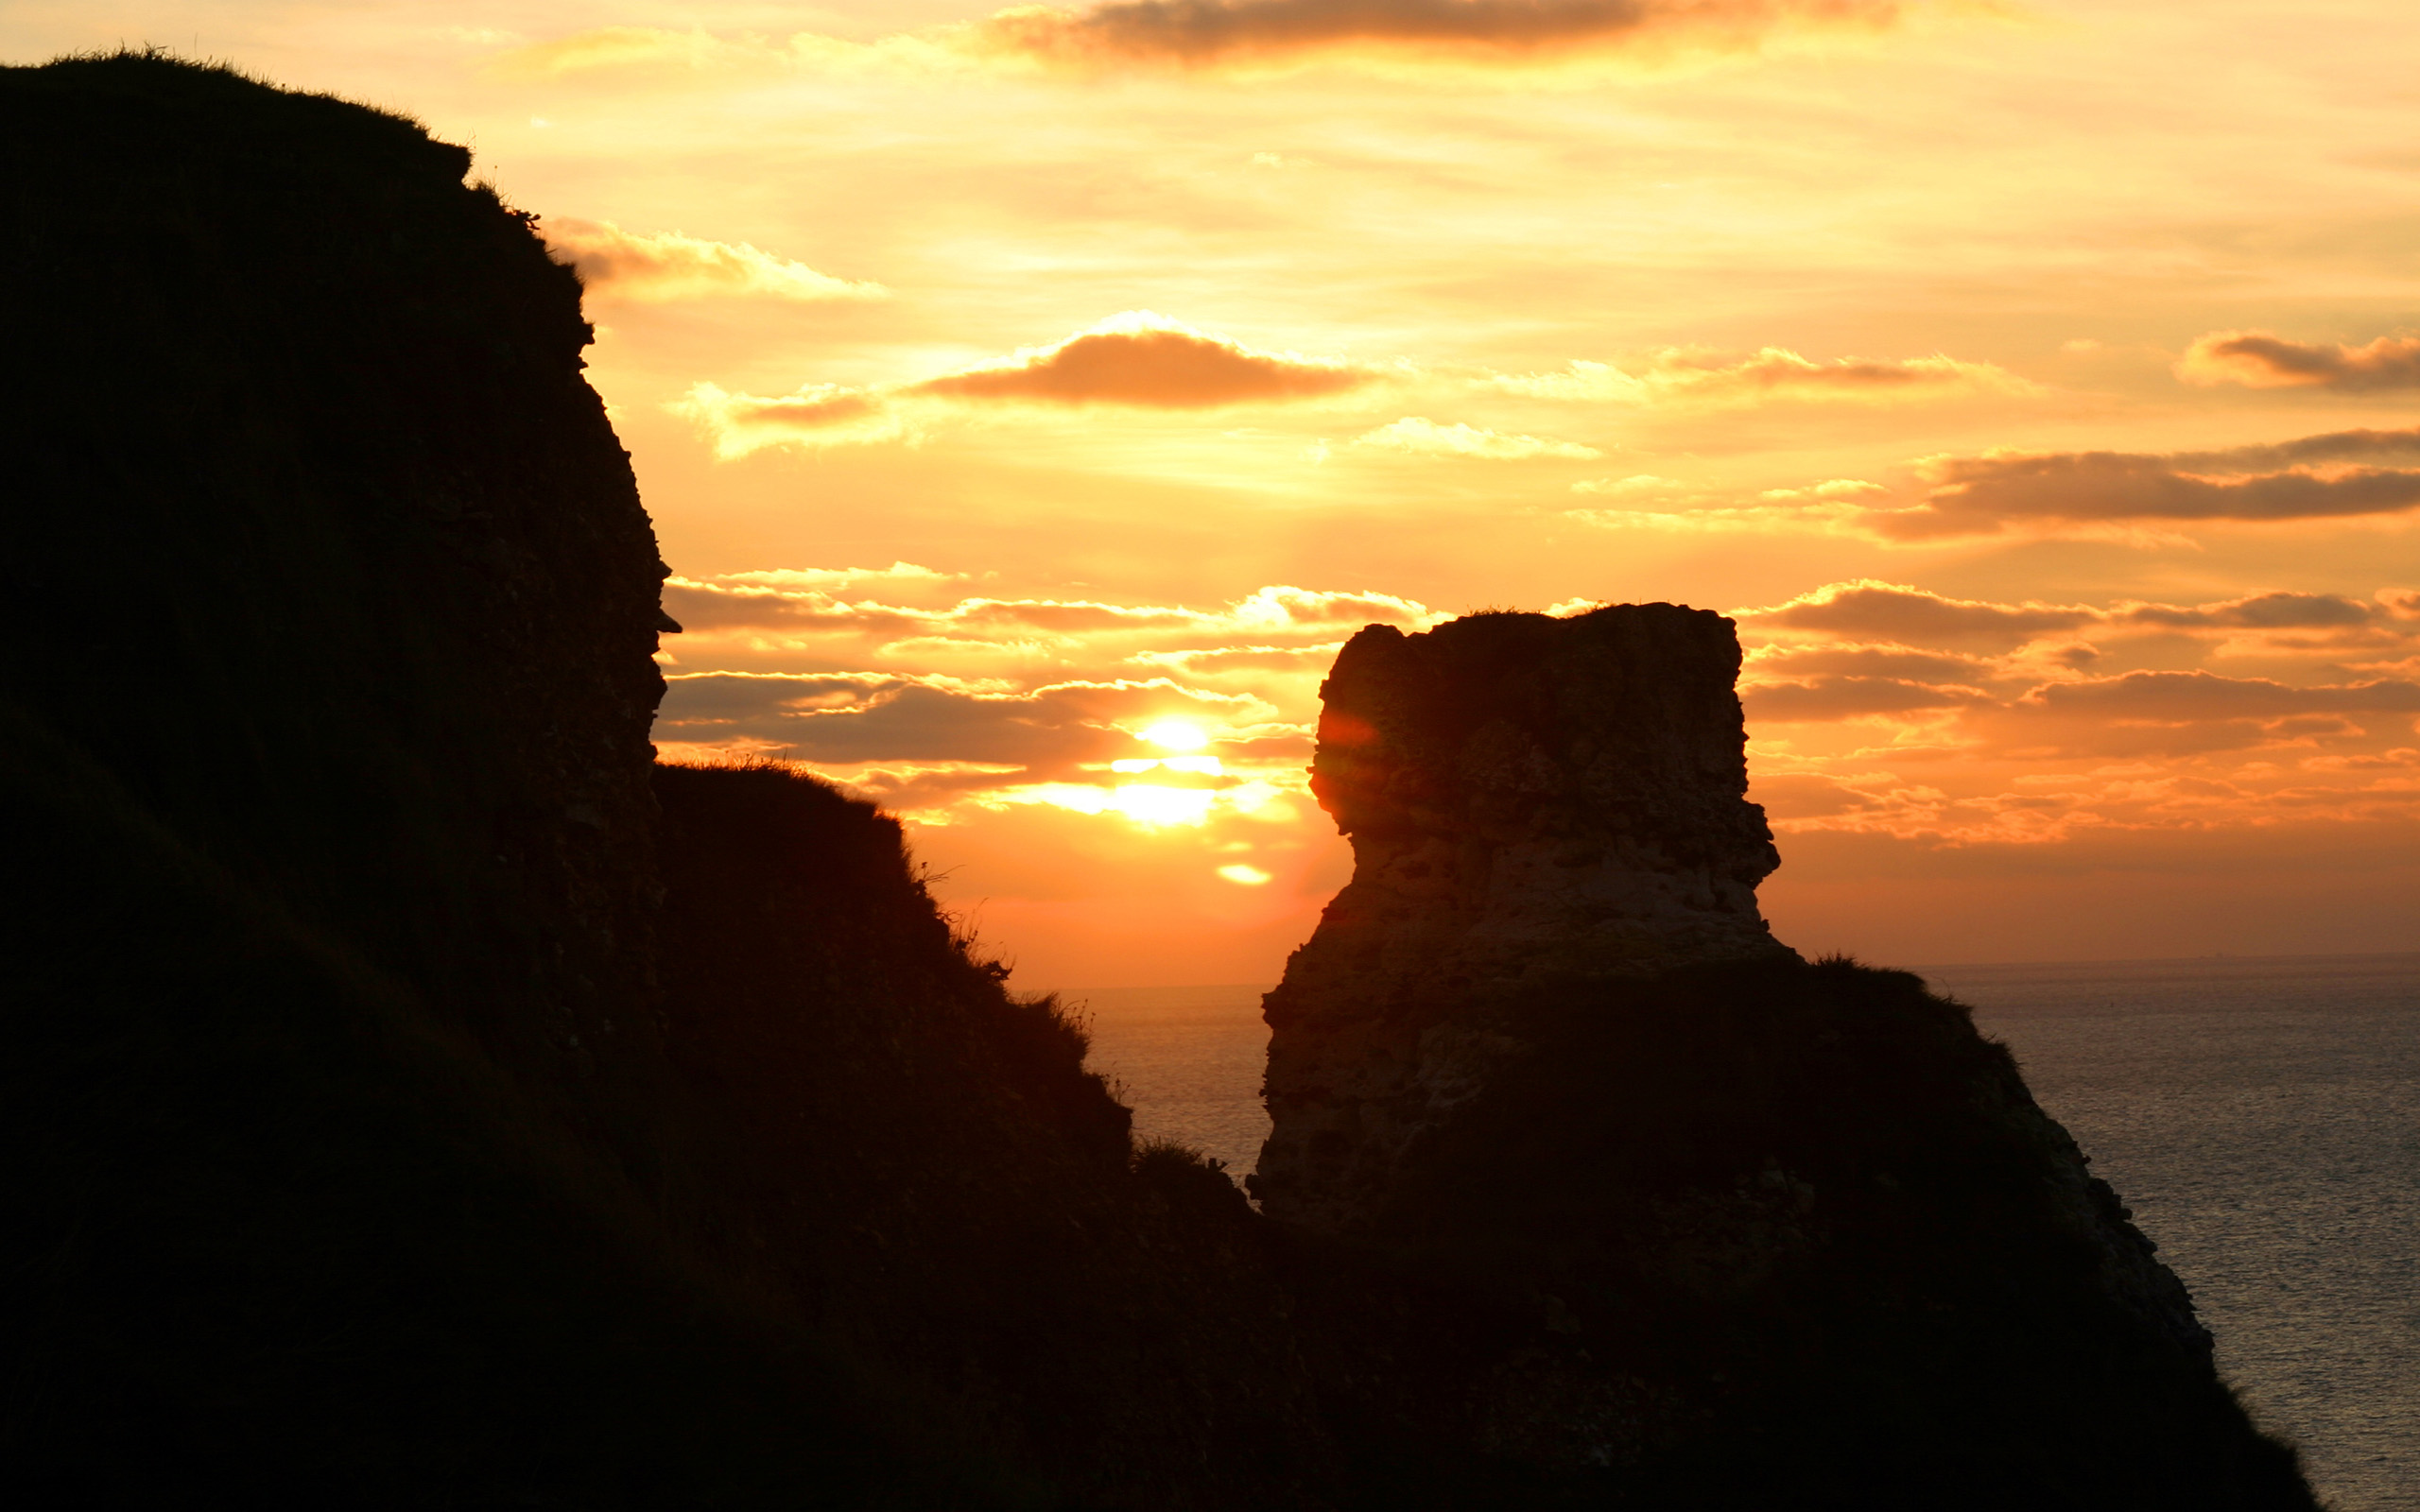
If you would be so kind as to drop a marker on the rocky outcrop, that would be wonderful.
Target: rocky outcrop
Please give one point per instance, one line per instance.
(1760, 1233)
(1530, 800)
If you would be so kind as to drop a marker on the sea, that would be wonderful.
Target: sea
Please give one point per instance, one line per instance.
(2260, 1114)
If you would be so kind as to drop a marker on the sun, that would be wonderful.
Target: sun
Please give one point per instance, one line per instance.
(1176, 735)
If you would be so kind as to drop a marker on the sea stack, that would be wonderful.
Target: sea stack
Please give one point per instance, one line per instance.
(1531, 799)
(1779, 1233)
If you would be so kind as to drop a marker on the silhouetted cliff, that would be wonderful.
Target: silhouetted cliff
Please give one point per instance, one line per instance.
(410, 1098)
(1529, 801)
(332, 560)
(336, 1117)
(400, 1106)
(1789, 1235)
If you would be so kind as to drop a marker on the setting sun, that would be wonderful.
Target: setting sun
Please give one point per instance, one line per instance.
(1175, 735)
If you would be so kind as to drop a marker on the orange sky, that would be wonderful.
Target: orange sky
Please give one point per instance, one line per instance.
(2033, 382)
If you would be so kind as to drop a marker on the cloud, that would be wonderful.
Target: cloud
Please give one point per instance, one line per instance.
(2258, 359)
(1211, 33)
(1421, 437)
(1136, 359)
(2325, 476)
(1145, 359)
(797, 577)
(608, 47)
(1848, 698)
(1869, 661)
(670, 266)
(1869, 609)
(1999, 701)
(1231, 36)
(1804, 795)
(765, 600)
(1887, 710)
(2179, 697)
(813, 415)
(1694, 375)
(2261, 611)
(847, 718)
(1830, 507)
(1637, 484)
(1311, 660)
(2171, 714)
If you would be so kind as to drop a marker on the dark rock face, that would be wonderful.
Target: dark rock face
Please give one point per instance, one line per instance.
(331, 1086)
(330, 555)
(1530, 800)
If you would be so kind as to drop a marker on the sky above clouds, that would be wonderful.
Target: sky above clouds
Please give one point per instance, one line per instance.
(1031, 402)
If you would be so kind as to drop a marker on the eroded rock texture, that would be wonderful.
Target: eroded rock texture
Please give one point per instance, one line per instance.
(1530, 800)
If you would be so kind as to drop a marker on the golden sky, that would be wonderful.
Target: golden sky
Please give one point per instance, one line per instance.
(1030, 402)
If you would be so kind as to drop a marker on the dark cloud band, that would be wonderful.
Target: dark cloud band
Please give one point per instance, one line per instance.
(1199, 32)
(2328, 476)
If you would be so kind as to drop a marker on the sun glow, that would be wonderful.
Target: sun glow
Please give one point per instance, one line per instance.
(1246, 876)
(1175, 735)
(1148, 803)
(1198, 766)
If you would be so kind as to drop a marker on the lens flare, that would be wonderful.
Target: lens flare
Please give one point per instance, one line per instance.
(1247, 876)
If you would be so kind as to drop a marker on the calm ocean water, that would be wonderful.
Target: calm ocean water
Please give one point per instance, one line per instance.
(2261, 1115)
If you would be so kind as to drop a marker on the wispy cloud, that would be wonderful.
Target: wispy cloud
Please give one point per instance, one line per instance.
(791, 601)
(1418, 435)
(1196, 34)
(1694, 375)
(609, 47)
(2258, 359)
(814, 415)
(1145, 359)
(670, 266)
(1247, 37)
(1834, 506)
(1870, 610)
(1135, 360)
(1045, 731)
(2328, 476)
